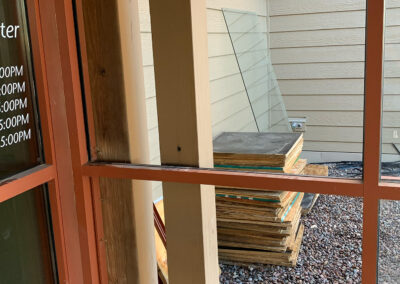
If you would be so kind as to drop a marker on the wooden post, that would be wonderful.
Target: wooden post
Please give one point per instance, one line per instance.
(114, 84)
(179, 31)
(131, 51)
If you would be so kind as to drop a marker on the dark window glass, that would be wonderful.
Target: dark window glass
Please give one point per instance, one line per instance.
(25, 242)
(19, 146)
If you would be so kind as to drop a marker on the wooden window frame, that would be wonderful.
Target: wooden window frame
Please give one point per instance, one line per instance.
(80, 255)
(371, 188)
(47, 31)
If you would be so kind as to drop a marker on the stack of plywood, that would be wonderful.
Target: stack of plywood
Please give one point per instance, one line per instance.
(271, 152)
(258, 226)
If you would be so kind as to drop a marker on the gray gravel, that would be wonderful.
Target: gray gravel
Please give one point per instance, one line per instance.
(331, 248)
(330, 252)
(389, 242)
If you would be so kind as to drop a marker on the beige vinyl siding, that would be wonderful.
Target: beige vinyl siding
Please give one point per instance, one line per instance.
(317, 50)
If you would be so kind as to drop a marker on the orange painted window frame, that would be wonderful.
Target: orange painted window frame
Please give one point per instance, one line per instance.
(76, 213)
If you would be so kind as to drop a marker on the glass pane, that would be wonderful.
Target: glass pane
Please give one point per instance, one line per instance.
(289, 68)
(19, 146)
(26, 250)
(253, 58)
(390, 155)
(306, 64)
(263, 236)
(389, 240)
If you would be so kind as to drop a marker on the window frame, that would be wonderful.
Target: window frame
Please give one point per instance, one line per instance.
(62, 30)
(370, 188)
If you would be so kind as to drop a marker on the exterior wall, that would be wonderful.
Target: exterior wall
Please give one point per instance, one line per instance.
(230, 107)
(317, 48)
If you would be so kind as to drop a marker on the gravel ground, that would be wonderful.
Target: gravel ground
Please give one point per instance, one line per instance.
(330, 252)
(389, 242)
(331, 248)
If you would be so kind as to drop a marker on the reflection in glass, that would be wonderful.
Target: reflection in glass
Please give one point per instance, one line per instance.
(25, 244)
(252, 55)
(297, 69)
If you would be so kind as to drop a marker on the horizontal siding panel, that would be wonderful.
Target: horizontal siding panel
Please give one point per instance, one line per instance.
(154, 144)
(262, 122)
(320, 146)
(334, 134)
(260, 105)
(228, 107)
(393, 16)
(392, 35)
(334, 86)
(251, 127)
(245, 42)
(332, 20)
(389, 149)
(216, 22)
(329, 54)
(328, 37)
(389, 134)
(320, 21)
(319, 54)
(330, 118)
(256, 6)
(392, 69)
(149, 81)
(219, 44)
(392, 51)
(151, 111)
(391, 103)
(336, 102)
(322, 87)
(321, 70)
(144, 15)
(147, 49)
(289, 7)
(225, 87)
(235, 123)
(318, 38)
(321, 103)
(222, 66)
(391, 119)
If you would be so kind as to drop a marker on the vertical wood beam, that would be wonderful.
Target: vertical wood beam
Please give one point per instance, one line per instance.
(113, 75)
(179, 30)
(132, 67)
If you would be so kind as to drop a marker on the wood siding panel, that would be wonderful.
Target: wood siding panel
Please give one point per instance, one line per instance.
(320, 21)
(318, 52)
(285, 7)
